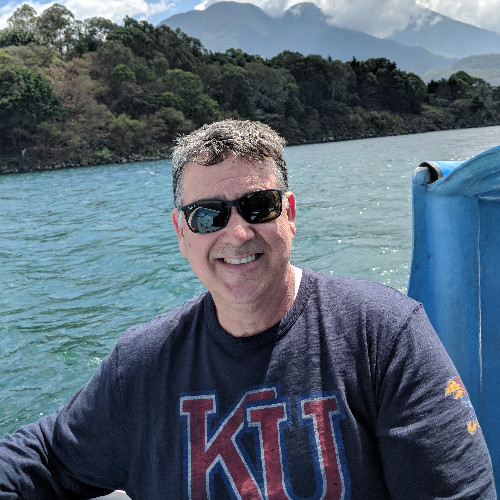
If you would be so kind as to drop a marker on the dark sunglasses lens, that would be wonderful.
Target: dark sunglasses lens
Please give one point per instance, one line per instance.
(261, 206)
(208, 217)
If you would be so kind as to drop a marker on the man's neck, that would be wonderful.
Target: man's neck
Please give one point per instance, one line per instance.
(247, 319)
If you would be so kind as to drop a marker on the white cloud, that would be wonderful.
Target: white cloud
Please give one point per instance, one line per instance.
(273, 8)
(6, 11)
(377, 17)
(382, 17)
(115, 10)
(427, 20)
(484, 13)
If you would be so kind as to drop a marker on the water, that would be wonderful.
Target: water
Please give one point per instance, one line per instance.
(86, 253)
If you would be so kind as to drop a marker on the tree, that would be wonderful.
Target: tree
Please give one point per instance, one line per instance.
(126, 134)
(14, 36)
(56, 25)
(73, 85)
(416, 92)
(26, 100)
(38, 58)
(464, 86)
(184, 51)
(269, 92)
(134, 34)
(21, 28)
(135, 101)
(98, 27)
(438, 92)
(94, 126)
(23, 18)
(26, 97)
(164, 125)
(234, 90)
(234, 56)
(90, 34)
(121, 73)
(197, 106)
(111, 54)
(381, 86)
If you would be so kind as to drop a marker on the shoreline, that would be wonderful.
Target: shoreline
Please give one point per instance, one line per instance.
(24, 166)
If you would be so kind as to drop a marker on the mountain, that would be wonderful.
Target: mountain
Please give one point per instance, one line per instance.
(485, 66)
(302, 28)
(447, 37)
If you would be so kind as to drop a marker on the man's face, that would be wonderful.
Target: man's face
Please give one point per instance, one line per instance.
(242, 263)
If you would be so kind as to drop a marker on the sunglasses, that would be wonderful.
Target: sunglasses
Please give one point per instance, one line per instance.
(207, 216)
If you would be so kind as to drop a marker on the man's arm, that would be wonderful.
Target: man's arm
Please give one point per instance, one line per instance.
(430, 442)
(67, 454)
(28, 469)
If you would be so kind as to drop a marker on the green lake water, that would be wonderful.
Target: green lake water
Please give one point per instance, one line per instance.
(86, 253)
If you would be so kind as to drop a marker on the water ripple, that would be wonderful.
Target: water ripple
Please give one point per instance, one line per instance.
(87, 253)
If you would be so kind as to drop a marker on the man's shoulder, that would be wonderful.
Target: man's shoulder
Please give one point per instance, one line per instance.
(358, 294)
(164, 327)
(350, 285)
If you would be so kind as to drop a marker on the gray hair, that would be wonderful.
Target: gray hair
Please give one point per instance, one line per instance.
(213, 143)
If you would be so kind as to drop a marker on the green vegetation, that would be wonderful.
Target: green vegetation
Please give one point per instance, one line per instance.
(485, 66)
(90, 92)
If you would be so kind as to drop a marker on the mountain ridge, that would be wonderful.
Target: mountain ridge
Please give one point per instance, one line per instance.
(445, 36)
(430, 44)
(225, 25)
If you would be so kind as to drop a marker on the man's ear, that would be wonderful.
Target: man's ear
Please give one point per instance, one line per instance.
(179, 229)
(291, 210)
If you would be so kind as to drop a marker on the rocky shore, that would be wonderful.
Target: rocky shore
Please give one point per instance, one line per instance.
(25, 165)
(29, 163)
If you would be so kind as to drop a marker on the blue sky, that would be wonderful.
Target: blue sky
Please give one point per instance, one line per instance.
(378, 17)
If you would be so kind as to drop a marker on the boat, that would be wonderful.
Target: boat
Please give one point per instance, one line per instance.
(455, 274)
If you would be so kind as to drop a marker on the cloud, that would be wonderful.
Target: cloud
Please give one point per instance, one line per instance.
(5, 12)
(484, 14)
(114, 10)
(377, 17)
(274, 8)
(382, 17)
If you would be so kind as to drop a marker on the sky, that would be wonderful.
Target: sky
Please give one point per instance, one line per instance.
(377, 17)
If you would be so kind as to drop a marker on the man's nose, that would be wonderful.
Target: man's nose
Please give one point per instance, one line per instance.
(238, 230)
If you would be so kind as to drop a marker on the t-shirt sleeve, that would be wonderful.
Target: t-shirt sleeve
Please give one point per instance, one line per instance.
(430, 441)
(77, 452)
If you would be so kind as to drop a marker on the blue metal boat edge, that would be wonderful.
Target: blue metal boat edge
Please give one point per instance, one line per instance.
(455, 273)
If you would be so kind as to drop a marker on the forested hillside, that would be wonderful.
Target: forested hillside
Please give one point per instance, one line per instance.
(89, 92)
(486, 66)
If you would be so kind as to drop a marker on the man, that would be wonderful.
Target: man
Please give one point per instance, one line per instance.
(277, 383)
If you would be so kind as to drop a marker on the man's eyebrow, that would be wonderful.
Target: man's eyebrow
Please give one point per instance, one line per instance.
(221, 198)
(214, 198)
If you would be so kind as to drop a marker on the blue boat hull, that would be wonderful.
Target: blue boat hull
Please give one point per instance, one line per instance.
(455, 273)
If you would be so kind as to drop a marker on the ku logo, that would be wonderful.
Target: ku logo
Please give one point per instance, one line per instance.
(457, 389)
(218, 445)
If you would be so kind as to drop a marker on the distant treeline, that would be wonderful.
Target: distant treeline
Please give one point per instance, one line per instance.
(90, 92)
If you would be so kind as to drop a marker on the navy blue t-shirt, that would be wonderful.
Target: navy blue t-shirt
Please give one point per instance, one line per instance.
(350, 396)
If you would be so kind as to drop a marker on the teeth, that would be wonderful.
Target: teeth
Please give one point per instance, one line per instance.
(244, 260)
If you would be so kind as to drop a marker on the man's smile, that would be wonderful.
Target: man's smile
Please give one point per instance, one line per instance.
(242, 260)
